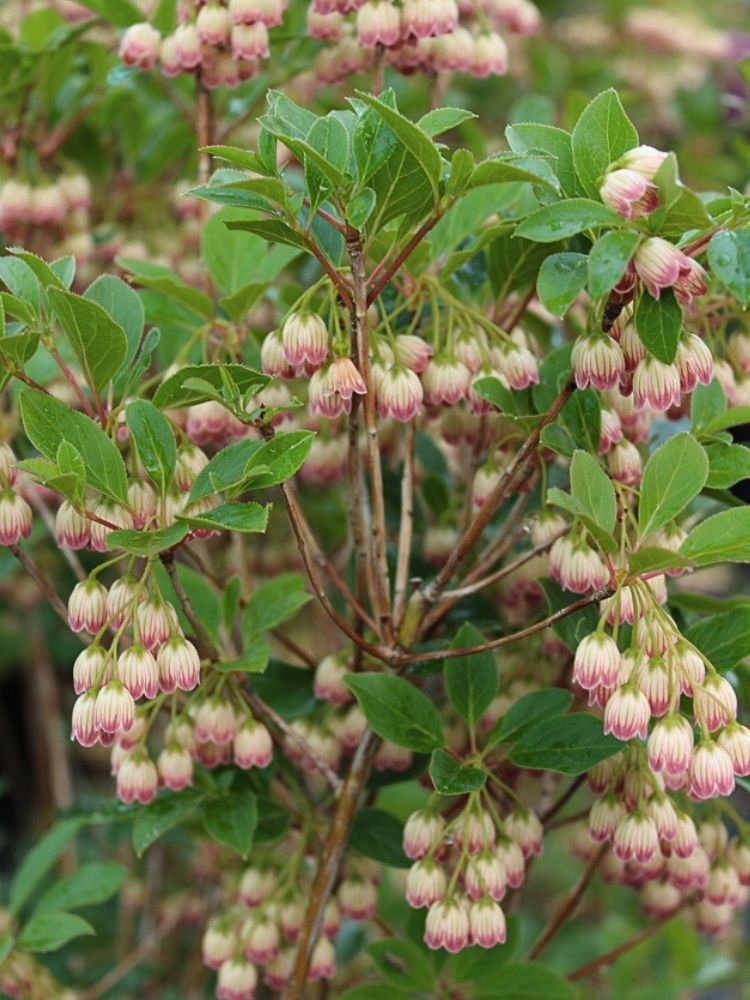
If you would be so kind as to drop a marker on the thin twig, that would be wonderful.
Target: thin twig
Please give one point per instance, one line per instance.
(383, 273)
(406, 528)
(45, 586)
(568, 904)
(632, 942)
(330, 862)
(358, 313)
(492, 503)
(505, 640)
(563, 800)
(199, 631)
(339, 282)
(71, 380)
(148, 945)
(499, 574)
(262, 708)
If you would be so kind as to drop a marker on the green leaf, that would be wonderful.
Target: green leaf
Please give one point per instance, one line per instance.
(22, 282)
(652, 559)
(121, 13)
(562, 276)
(511, 169)
(124, 306)
(161, 815)
(45, 274)
(94, 882)
(674, 475)
(728, 464)
(732, 417)
(278, 459)
(271, 230)
(723, 638)
(528, 710)
(443, 119)
(329, 138)
(451, 777)
(471, 681)
(725, 537)
(601, 135)
(397, 711)
(51, 930)
(418, 143)
(528, 981)
(237, 304)
(174, 393)
(582, 416)
(287, 689)
(246, 517)
(146, 543)
(729, 257)
(231, 820)
(274, 603)
(403, 964)
(707, 403)
(569, 744)
(566, 218)
(378, 834)
(99, 343)
(233, 154)
(360, 208)
(40, 859)
(608, 259)
(253, 659)
(530, 137)
(592, 488)
(659, 324)
(48, 422)
(173, 287)
(154, 442)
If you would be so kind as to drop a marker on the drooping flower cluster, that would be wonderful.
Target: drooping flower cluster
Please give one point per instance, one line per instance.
(463, 869)
(225, 41)
(260, 920)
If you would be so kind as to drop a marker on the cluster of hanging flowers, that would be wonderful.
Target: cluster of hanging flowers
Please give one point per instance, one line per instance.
(252, 936)
(226, 42)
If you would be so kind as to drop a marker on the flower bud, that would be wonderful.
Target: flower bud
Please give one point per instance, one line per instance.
(485, 875)
(261, 940)
(214, 24)
(137, 780)
(645, 160)
(237, 979)
(179, 665)
(486, 924)
(250, 41)
(445, 381)
(92, 668)
(175, 767)
(15, 518)
(636, 838)
(597, 662)
(252, 746)
(489, 56)
(597, 361)
(475, 831)
(71, 529)
(711, 772)
(656, 385)
(627, 714)
(694, 362)
(357, 898)
(121, 601)
(510, 856)
(219, 944)
(256, 885)
(628, 193)
(735, 740)
(84, 728)
(399, 394)
(156, 620)
(714, 702)
(447, 926)
(115, 708)
(523, 826)
(215, 721)
(138, 671)
(660, 899)
(321, 961)
(660, 264)
(423, 829)
(115, 515)
(87, 606)
(140, 46)
(624, 463)
(670, 745)
(414, 352)
(378, 23)
(605, 816)
(329, 680)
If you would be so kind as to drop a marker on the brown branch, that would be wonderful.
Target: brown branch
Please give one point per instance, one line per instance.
(492, 503)
(359, 317)
(297, 520)
(45, 586)
(262, 708)
(383, 273)
(71, 380)
(563, 800)
(330, 219)
(199, 631)
(330, 862)
(608, 957)
(499, 574)
(406, 528)
(568, 904)
(340, 284)
(294, 647)
(505, 640)
(149, 944)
